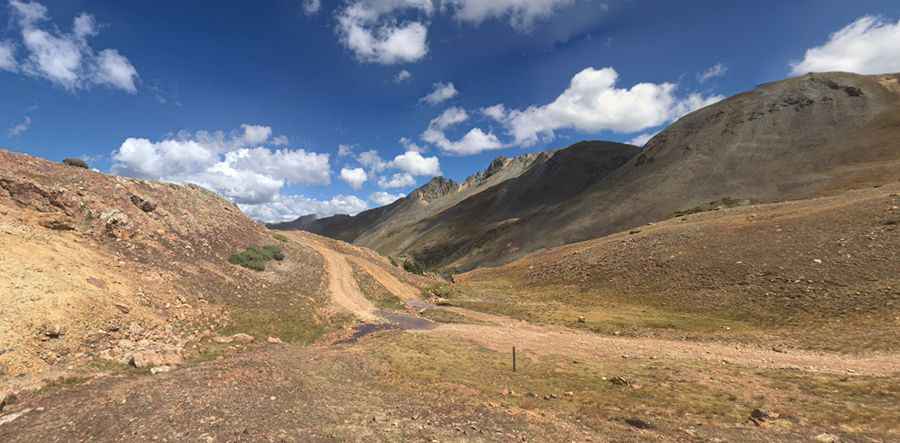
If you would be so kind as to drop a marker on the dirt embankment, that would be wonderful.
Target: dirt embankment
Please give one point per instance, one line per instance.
(96, 268)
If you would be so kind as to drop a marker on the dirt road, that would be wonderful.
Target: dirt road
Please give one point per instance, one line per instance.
(502, 333)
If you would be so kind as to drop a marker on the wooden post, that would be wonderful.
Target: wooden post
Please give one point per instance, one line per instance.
(514, 359)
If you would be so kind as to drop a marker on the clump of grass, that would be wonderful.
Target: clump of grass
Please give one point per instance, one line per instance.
(255, 258)
(280, 238)
(439, 290)
(375, 292)
(445, 316)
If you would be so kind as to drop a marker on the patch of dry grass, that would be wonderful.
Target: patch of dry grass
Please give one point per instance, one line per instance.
(671, 396)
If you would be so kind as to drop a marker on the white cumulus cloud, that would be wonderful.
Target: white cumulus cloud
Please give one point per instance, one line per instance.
(372, 162)
(384, 198)
(255, 134)
(869, 45)
(496, 112)
(474, 142)
(594, 103)
(355, 177)
(402, 76)
(396, 181)
(441, 93)
(290, 207)
(246, 175)
(416, 164)
(67, 59)
(367, 28)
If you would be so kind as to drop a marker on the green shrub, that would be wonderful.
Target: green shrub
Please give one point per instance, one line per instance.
(76, 162)
(273, 252)
(413, 267)
(280, 238)
(255, 258)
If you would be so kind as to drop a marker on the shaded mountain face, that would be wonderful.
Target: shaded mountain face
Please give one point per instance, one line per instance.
(798, 138)
(508, 188)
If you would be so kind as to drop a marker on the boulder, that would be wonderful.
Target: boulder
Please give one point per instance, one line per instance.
(243, 338)
(53, 331)
(150, 359)
(142, 203)
(58, 224)
(161, 369)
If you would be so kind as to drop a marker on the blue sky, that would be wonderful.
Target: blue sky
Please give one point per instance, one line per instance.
(141, 88)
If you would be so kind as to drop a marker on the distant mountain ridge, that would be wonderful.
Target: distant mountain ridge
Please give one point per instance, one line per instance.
(427, 200)
(797, 138)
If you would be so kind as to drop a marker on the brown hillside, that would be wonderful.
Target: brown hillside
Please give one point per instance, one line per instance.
(802, 137)
(792, 273)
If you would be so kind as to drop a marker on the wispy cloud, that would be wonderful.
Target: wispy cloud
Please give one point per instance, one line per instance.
(717, 70)
(20, 128)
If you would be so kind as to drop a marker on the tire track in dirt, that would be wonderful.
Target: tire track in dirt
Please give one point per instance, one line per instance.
(344, 290)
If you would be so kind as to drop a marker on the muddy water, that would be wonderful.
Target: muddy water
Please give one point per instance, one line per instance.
(394, 321)
(407, 322)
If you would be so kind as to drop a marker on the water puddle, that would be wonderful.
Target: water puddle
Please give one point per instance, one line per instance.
(366, 329)
(395, 322)
(407, 322)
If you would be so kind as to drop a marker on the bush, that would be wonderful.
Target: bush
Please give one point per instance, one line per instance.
(255, 258)
(273, 252)
(76, 162)
(413, 267)
(280, 238)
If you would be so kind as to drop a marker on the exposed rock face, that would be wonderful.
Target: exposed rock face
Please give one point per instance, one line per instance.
(435, 189)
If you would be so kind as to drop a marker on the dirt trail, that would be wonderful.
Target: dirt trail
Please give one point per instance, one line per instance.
(535, 340)
(502, 333)
(342, 286)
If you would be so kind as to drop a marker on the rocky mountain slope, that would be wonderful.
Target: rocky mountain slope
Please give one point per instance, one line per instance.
(369, 227)
(798, 138)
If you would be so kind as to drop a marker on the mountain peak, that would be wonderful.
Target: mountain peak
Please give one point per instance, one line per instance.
(436, 188)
